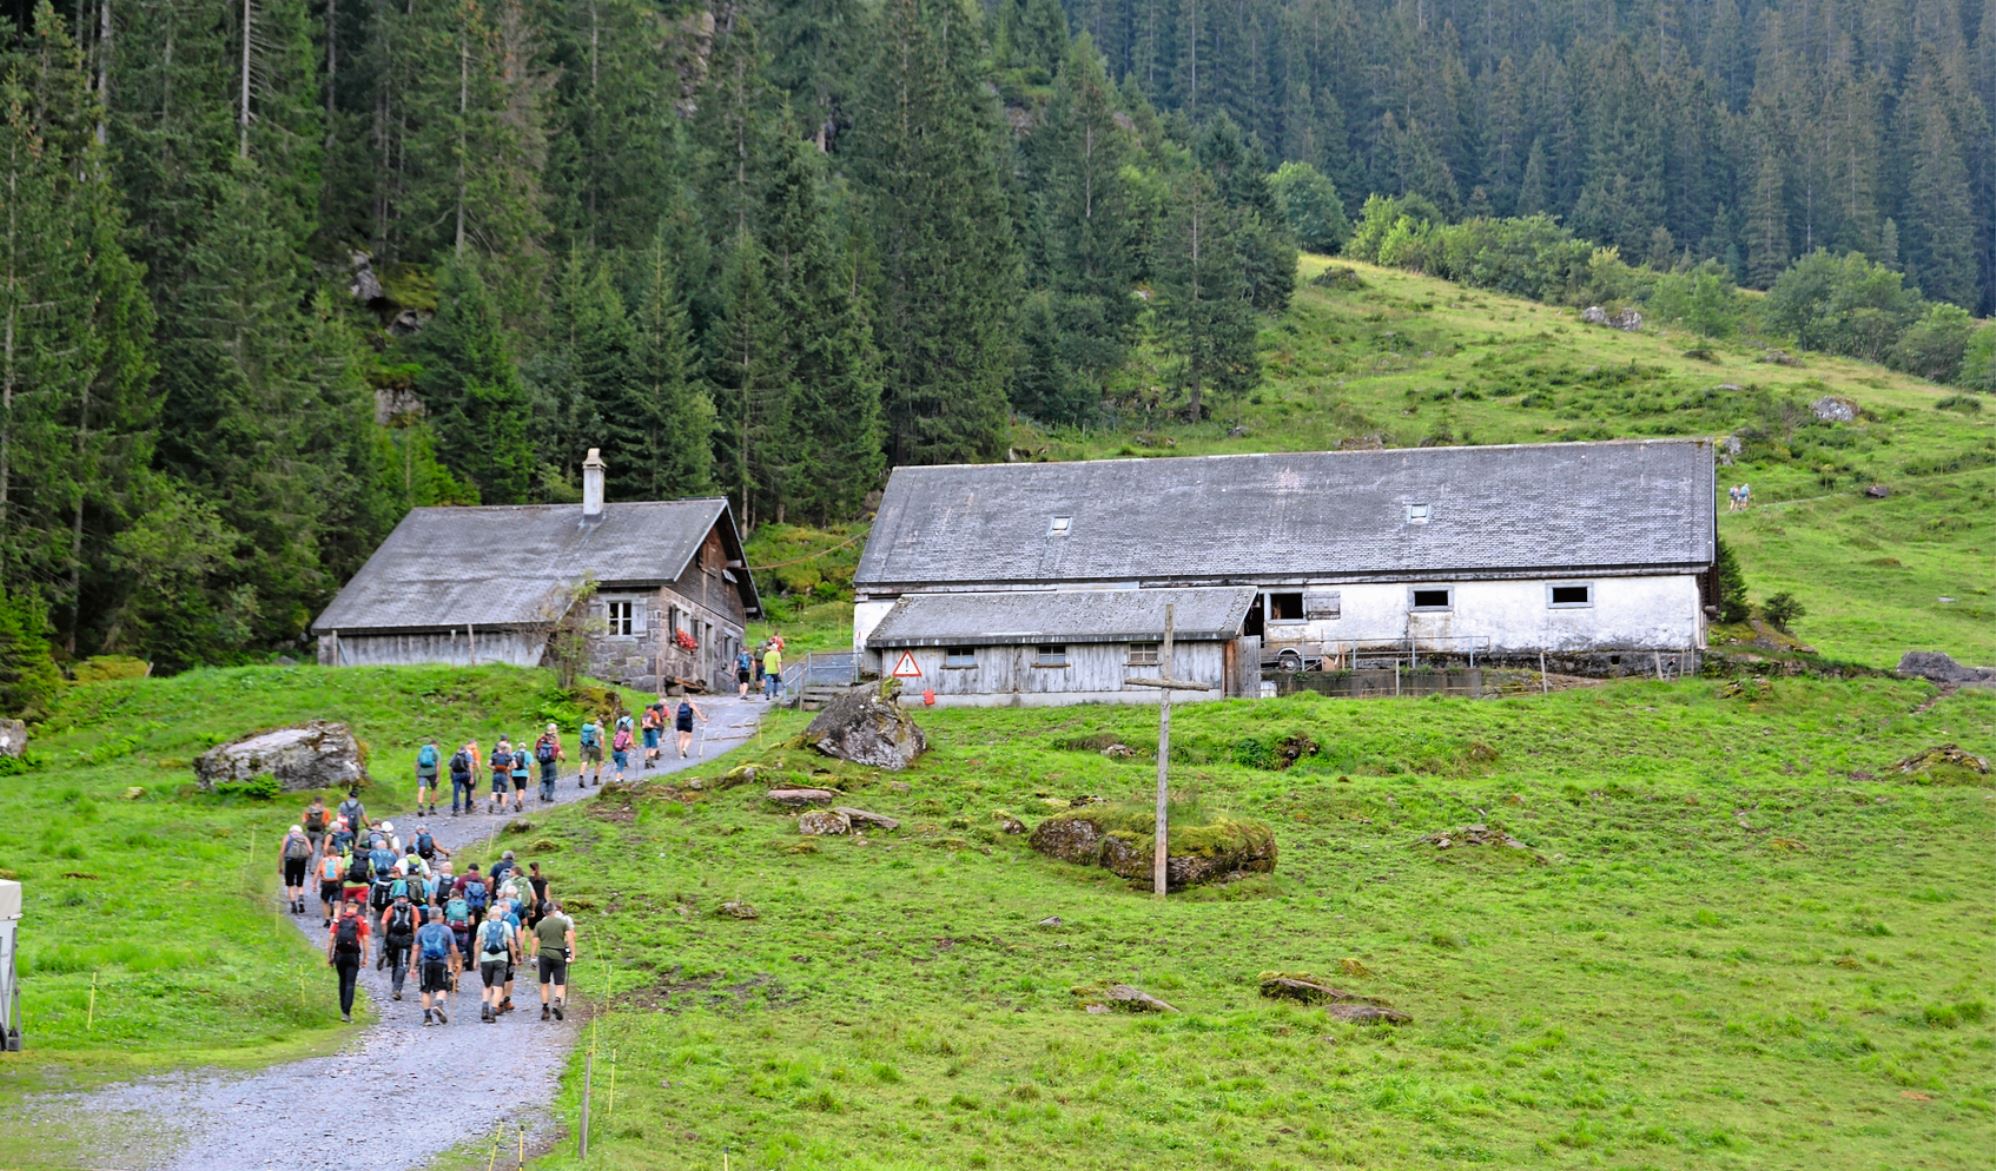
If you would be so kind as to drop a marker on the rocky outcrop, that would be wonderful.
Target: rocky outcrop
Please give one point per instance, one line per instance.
(13, 737)
(866, 819)
(1099, 998)
(1944, 758)
(1304, 988)
(1833, 409)
(801, 798)
(1940, 668)
(318, 755)
(867, 727)
(1215, 852)
(1628, 320)
(737, 909)
(824, 822)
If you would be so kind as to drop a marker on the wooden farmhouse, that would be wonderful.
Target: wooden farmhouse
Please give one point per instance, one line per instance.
(1046, 583)
(492, 584)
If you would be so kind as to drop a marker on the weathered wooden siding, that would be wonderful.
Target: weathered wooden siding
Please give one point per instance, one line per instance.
(1006, 675)
(703, 602)
(459, 647)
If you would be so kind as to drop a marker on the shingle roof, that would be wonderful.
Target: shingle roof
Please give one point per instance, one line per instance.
(508, 565)
(1058, 616)
(1313, 515)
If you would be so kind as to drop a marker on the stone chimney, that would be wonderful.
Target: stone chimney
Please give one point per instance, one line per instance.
(592, 485)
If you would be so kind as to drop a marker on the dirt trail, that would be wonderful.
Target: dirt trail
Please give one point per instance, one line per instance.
(405, 1094)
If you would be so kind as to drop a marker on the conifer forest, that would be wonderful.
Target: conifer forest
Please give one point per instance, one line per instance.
(273, 272)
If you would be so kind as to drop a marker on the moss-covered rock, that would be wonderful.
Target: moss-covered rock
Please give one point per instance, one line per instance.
(1215, 850)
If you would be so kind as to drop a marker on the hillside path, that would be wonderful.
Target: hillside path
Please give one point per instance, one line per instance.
(399, 1092)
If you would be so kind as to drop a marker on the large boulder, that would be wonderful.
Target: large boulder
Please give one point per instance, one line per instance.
(1941, 668)
(1222, 849)
(1834, 409)
(13, 737)
(318, 755)
(867, 727)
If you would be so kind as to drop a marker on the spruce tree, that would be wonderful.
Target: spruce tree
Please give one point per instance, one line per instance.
(1204, 318)
(926, 154)
(748, 366)
(1240, 177)
(660, 438)
(472, 390)
(1939, 238)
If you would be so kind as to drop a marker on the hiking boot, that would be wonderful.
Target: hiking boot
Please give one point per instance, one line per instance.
(485, 1014)
(426, 1018)
(398, 994)
(347, 1017)
(557, 1010)
(441, 1018)
(544, 1012)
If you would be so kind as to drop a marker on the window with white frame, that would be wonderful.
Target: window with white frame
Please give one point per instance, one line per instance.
(1431, 599)
(1570, 595)
(1143, 654)
(1418, 514)
(1050, 655)
(620, 617)
(1059, 526)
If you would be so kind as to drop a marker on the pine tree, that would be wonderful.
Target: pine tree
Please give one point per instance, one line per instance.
(660, 438)
(734, 128)
(1092, 250)
(748, 366)
(1939, 238)
(472, 390)
(1766, 222)
(1203, 314)
(1240, 177)
(1535, 185)
(832, 427)
(926, 156)
(620, 143)
(1031, 39)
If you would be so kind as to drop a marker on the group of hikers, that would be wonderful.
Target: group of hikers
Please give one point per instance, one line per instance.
(402, 900)
(761, 669)
(1739, 497)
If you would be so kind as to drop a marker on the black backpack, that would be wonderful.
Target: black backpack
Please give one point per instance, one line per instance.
(460, 764)
(402, 922)
(381, 895)
(358, 869)
(346, 936)
(426, 846)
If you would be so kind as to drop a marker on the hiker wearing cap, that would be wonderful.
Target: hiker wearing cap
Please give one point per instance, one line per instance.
(591, 738)
(547, 752)
(394, 840)
(427, 761)
(316, 819)
(772, 670)
(354, 813)
(346, 947)
(553, 941)
(294, 857)
(437, 960)
(398, 938)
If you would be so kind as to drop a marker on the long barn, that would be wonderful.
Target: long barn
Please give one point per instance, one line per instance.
(994, 574)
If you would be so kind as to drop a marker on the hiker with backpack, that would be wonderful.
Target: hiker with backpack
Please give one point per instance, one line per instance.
(353, 813)
(462, 764)
(359, 876)
(346, 947)
(332, 868)
(547, 751)
(437, 957)
(591, 738)
(554, 949)
(398, 940)
(744, 672)
(425, 846)
(539, 886)
(772, 670)
(502, 774)
(427, 760)
(294, 857)
(653, 725)
(339, 839)
(498, 948)
(522, 773)
(317, 819)
(457, 917)
(682, 721)
(620, 747)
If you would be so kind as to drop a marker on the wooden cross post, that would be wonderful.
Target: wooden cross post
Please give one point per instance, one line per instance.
(1165, 685)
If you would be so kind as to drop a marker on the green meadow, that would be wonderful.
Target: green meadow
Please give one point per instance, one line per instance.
(1735, 937)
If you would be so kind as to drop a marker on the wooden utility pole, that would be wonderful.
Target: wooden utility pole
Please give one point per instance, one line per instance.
(1160, 855)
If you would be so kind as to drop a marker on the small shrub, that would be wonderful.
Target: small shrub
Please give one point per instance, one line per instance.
(1967, 404)
(254, 789)
(1781, 609)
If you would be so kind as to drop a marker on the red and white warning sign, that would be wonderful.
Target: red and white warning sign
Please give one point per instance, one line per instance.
(906, 668)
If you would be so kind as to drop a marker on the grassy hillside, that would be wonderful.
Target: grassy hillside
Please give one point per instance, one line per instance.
(162, 897)
(1727, 945)
(1402, 359)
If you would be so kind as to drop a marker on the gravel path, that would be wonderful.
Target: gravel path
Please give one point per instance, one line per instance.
(381, 1090)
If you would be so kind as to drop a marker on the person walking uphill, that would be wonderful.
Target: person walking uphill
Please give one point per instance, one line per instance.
(548, 752)
(498, 950)
(346, 947)
(682, 722)
(398, 940)
(294, 857)
(463, 788)
(772, 671)
(553, 941)
(427, 760)
(436, 953)
(591, 738)
(502, 772)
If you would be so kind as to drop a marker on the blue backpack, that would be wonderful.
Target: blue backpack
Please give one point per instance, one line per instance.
(590, 732)
(382, 859)
(474, 895)
(426, 756)
(434, 940)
